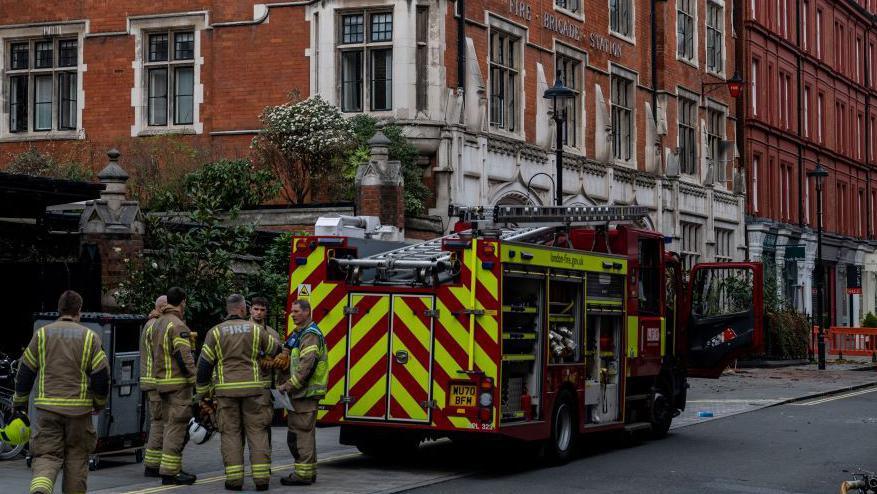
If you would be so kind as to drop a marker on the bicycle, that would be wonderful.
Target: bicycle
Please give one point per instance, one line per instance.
(865, 483)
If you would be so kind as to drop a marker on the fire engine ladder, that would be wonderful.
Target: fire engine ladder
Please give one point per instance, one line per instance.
(549, 214)
(425, 255)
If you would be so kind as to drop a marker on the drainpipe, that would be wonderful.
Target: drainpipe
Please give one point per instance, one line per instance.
(654, 63)
(461, 45)
(740, 51)
(799, 92)
(867, 64)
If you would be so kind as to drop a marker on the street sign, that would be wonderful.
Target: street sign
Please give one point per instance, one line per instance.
(794, 252)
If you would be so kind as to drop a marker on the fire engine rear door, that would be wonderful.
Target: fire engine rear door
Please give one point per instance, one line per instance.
(368, 343)
(410, 358)
(724, 315)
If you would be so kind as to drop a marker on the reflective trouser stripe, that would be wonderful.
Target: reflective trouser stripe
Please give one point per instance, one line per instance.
(42, 485)
(171, 462)
(305, 470)
(261, 470)
(152, 458)
(234, 472)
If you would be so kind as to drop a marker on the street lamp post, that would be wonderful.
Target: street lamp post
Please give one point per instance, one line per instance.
(819, 173)
(554, 93)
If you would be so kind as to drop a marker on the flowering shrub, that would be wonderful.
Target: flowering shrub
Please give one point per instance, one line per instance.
(303, 141)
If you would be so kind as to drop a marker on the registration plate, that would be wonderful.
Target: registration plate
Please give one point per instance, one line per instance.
(462, 395)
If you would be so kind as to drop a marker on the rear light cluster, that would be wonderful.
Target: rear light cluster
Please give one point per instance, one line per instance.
(485, 400)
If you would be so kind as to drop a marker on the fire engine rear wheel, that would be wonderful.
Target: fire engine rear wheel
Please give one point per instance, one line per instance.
(564, 431)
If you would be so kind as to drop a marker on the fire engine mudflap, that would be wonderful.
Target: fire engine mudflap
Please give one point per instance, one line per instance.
(535, 333)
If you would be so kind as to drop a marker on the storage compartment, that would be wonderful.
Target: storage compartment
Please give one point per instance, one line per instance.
(522, 342)
(603, 357)
(564, 317)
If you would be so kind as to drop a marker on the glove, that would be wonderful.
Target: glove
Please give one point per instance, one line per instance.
(281, 361)
(285, 387)
(266, 363)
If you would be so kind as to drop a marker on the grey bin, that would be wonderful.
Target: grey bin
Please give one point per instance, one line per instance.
(122, 425)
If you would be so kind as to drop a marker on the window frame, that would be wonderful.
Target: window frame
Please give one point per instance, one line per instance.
(576, 11)
(499, 28)
(716, 114)
(690, 248)
(618, 110)
(711, 34)
(724, 244)
(368, 48)
(686, 98)
(172, 66)
(692, 18)
(20, 112)
(574, 105)
(629, 34)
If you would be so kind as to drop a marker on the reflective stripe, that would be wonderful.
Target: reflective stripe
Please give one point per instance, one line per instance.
(261, 470)
(220, 372)
(38, 484)
(175, 380)
(208, 354)
(64, 402)
(293, 379)
(29, 358)
(98, 359)
(100, 401)
(241, 385)
(166, 345)
(41, 346)
(234, 472)
(19, 399)
(204, 390)
(83, 365)
(147, 340)
(181, 342)
(308, 350)
(255, 353)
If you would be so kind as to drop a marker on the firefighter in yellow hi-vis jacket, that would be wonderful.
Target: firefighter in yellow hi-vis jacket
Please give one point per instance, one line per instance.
(233, 349)
(308, 373)
(66, 362)
(174, 380)
(152, 461)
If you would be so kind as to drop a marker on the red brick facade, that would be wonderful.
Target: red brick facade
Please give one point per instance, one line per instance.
(809, 100)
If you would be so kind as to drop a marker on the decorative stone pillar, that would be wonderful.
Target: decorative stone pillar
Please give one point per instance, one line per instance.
(380, 186)
(115, 226)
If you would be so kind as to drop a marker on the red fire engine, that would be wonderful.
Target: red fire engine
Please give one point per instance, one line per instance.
(533, 323)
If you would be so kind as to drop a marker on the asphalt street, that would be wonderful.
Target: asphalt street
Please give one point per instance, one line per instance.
(801, 447)
(744, 447)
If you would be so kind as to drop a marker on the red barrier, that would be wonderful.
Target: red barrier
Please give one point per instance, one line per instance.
(860, 342)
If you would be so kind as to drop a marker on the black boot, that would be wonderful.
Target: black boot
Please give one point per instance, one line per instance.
(234, 487)
(261, 487)
(151, 472)
(293, 479)
(181, 478)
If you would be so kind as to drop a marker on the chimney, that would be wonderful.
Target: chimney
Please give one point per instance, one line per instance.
(380, 186)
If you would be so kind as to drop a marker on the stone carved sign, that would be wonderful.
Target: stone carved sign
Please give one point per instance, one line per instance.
(603, 44)
(521, 9)
(564, 27)
(561, 26)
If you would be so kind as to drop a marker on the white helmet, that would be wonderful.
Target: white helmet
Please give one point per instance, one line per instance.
(198, 433)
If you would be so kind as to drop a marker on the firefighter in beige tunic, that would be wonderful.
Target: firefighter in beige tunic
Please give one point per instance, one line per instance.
(174, 380)
(308, 372)
(65, 361)
(152, 460)
(229, 368)
(273, 368)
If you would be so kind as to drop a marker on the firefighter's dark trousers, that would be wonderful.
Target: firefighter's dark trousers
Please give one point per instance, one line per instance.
(176, 407)
(60, 442)
(156, 431)
(245, 417)
(301, 437)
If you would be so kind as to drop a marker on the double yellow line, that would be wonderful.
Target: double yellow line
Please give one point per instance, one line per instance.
(217, 478)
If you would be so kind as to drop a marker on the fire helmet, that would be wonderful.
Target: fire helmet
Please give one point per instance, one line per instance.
(17, 431)
(199, 433)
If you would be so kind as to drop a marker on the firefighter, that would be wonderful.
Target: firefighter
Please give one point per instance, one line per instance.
(233, 349)
(174, 372)
(272, 366)
(308, 369)
(152, 461)
(66, 361)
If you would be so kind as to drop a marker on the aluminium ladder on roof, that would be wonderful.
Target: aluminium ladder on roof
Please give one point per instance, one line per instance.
(428, 254)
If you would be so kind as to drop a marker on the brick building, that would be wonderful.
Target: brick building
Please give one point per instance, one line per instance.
(642, 129)
(810, 67)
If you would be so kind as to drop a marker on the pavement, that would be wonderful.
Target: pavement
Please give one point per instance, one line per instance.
(343, 470)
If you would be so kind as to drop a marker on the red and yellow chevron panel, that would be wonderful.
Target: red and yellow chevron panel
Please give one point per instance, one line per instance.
(410, 358)
(367, 356)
